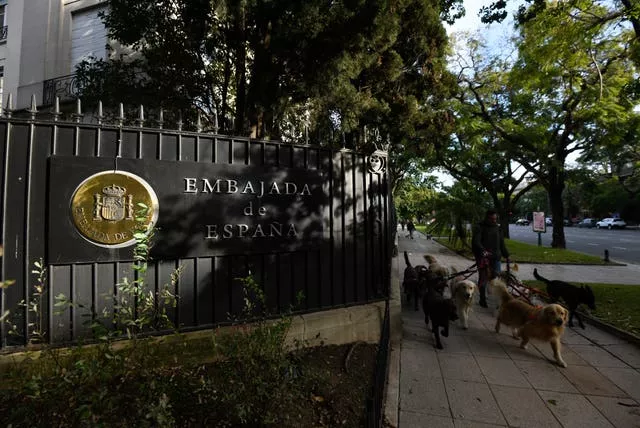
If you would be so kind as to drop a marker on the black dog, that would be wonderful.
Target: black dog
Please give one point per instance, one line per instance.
(440, 311)
(414, 281)
(571, 294)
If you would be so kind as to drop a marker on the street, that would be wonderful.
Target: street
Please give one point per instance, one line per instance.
(623, 245)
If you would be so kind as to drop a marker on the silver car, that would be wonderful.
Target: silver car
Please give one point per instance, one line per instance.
(611, 223)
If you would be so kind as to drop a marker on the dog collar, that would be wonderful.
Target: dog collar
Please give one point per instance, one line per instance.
(534, 315)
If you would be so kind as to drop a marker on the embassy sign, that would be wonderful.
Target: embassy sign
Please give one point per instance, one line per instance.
(198, 209)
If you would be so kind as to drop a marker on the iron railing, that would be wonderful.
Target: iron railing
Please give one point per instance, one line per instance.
(348, 266)
(3, 33)
(66, 88)
(375, 401)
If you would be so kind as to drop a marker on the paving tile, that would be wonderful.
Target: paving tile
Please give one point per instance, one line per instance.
(420, 420)
(571, 337)
(590, 381)
(459, 366)
(626, 379)
(622, 413)
(462, 423)
(454, 344)
(544, 376)
(627, 352)
(597, 356)
(426, 396)
(501, 371)
(568, 354)
(486, 346)
(523, 407)
(473, 401)
(574, 410)
(419, 363)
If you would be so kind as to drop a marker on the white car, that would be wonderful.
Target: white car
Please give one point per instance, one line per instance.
(611, 223)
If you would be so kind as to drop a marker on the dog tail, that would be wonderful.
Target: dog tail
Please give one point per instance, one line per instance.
(539, 277)
(501, 289)
(406, 259)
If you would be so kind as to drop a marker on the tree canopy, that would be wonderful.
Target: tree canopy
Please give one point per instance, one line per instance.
(340, 72)
(563, 93)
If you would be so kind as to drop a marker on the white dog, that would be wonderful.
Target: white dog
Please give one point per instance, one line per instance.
(462, 294)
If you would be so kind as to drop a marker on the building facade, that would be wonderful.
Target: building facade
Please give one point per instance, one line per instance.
(44, 41)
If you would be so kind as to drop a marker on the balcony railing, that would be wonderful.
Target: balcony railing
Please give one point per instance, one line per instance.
(65, 87)
(3, 33)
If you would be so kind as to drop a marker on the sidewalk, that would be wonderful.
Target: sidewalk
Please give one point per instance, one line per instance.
(482, 379)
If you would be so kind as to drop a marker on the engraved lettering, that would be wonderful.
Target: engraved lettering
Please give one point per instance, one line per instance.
(248, 188)
(189, 186)
(212, 231)
(276, 228)
(258, 232)
(290, 188)
(305, 190)
(207, 188)
(274, 188)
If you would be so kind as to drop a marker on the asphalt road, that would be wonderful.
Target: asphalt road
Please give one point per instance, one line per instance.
(623, 245)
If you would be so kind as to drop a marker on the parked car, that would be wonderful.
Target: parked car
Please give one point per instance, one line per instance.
(587, 222)
(522, 222)
(611, 223)
(548, 221)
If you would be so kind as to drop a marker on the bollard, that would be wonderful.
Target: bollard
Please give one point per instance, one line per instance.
(606, 255)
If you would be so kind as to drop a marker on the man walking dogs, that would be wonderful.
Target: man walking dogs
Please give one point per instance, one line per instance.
(488, 248)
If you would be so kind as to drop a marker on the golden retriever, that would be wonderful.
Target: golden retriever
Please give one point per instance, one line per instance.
(545, 323)
(436, 267)
(462, 291)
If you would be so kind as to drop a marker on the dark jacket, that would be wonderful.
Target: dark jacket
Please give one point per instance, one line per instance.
(487, 236)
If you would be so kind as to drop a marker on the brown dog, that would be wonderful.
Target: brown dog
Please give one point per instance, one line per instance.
(545, 323)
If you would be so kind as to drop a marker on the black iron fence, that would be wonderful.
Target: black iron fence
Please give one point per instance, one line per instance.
(375, 401)
(347, 264)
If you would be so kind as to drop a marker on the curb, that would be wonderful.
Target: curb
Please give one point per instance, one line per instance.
(621, 334)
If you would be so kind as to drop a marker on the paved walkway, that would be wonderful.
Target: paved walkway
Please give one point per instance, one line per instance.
(482, 379)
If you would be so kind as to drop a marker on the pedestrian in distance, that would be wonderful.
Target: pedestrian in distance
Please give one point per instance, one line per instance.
(487, 244)
(403, 223)
(411, 228)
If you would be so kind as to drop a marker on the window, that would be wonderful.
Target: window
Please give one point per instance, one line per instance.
(88, 36)
(3, 19)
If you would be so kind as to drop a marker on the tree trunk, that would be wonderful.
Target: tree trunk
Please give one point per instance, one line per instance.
(556, 187)
(241, 68)
(222, 118)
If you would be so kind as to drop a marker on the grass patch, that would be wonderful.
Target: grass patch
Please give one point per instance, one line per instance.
(618, 304)
(527, 253)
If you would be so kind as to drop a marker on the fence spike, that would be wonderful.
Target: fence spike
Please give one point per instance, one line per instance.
(215, 120)
(100, 116)
(160, 118)
(179, 120)
(78, 114)
(140, 119)
(34, 109)
(121, 115)
(56, 109)
(9, 108)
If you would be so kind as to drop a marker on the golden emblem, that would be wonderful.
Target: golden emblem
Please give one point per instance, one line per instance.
(103, 207)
